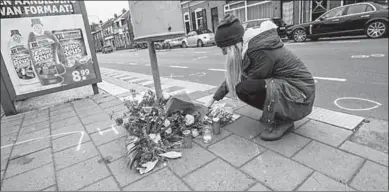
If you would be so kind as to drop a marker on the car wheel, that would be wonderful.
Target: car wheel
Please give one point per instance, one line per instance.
(184, 45)
(376, 29)
(200, 43)
(169, 46)
(299, 35)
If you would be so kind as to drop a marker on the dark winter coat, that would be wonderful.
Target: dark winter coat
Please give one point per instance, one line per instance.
(290, 86)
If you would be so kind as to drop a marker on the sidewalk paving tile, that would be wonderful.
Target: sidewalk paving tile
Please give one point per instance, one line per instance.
(259, 187)
(65, 123)
(218, 176)
(114, 149)
(35, 127)
(373, 134)
(81, 174)
(124, 175)
(372, 177)
(107, 184)
(320, 182)
(69, 141)
(28, 122)
(12, 120)
(61, 109)
(245, 127)
(329, 161)
(288, 145)
(191, 160)
(6, 130)
(57, 133)
(299, 123)
(71, 156)
(66, 115)
(112, 103)
(107, 135)
(236, 150)
(215, 138)
(276, 171)
(118, 109)
(163, 180)
(249, 111)
(94, 118)
(34, 180)
(339, 119)
(366, 152)
(89, 111)
(41, 113)
(197, 95)
(325, 133)
(25, 163)
(30, 147)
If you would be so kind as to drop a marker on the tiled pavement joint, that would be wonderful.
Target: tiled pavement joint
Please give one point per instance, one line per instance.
(305, 179)
(298, 151)
(10, 153)
(52, 151)
(356, 172)
(98, 151)
(181, 178)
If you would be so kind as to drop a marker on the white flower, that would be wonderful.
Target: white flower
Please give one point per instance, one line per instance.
(169, 130)
(166, 123)
(189, 120)
(155, 137)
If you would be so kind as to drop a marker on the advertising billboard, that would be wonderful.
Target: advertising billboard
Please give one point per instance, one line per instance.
(46, 45)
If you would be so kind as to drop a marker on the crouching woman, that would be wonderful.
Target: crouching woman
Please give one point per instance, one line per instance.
(261, 72)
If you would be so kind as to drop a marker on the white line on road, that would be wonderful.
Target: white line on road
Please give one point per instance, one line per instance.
(377, 55)
(360, 56)
(199, 52)
(133, 64)
(148, 65)
(338, 42)
(181, 67)
(330, 79)
(223, 70)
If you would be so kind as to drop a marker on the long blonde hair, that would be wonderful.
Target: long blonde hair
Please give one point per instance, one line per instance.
(233, 67)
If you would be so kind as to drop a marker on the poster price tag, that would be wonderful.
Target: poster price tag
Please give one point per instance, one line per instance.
(80, 75)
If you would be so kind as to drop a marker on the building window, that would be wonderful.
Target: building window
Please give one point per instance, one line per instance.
(250, 10)
(199, 18)
(187, 22)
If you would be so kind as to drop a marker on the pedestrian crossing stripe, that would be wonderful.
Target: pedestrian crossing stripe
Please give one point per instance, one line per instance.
(147, 81)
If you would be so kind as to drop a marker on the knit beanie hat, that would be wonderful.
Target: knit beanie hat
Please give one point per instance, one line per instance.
(229, 32)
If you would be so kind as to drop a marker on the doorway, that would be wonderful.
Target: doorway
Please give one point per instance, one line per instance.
(215, 19)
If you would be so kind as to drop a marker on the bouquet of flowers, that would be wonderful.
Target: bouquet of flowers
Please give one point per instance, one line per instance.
(155, 127)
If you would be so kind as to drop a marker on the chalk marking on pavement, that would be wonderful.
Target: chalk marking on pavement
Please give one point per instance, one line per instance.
(180, 67)
(39, 138)
(108, 130)
(222, 70)
(356, 98)
(377, 55)
(360, 56)
(330, 79)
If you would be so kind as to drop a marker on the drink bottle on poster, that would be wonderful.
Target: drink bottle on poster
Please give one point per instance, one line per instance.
(47, 54)
(21, 59)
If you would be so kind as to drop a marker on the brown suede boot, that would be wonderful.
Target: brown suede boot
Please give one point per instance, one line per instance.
(273, 134)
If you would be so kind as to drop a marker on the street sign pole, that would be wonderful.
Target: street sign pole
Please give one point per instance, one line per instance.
(154, 69)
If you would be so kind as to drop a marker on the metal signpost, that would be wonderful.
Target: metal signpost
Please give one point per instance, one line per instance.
(46, 47)
(154, 21)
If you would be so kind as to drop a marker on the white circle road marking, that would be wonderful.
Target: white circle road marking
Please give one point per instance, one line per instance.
(356, 98)
(360, 56)
(222, 70)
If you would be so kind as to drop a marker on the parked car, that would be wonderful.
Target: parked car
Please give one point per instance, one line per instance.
(366, 18)
(199, 38)
(278, 21)
(107, 49)
(143, 45)
(171, 43)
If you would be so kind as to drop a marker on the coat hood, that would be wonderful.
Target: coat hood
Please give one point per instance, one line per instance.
(263, 37)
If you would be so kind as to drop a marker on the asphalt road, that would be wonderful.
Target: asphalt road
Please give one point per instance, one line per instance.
(351, 74)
